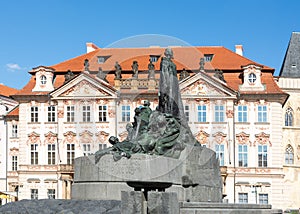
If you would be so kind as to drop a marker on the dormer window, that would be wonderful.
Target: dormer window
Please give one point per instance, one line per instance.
(43, 80)
(102, 59)
(252, 78)
(154, 58)
(208, 57)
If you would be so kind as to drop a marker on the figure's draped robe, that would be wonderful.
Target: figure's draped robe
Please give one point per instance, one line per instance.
(169, 94)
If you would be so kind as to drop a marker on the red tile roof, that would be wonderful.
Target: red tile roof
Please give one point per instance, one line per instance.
(184, 57)
(7, 91)
(14, 112)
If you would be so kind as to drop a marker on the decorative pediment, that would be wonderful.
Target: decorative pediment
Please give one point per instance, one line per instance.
(33, 138)
(14, 151)
(50, 138)
(262, 139)
(243, 138)
(102, 136)
(201, 84)
(85, 86)
(70, 137)
(219, 137)
(202, 137)
(86, 137)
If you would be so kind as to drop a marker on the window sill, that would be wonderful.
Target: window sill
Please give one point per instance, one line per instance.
(219, 122)
(14, 138)
(201, 122)
(50, 122)
(243, 123)
(34, 123)
(261, 123)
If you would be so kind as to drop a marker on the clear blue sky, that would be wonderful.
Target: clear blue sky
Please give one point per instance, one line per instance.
(48, 32)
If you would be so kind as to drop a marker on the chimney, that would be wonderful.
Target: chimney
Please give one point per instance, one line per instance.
(239, 49)
(90, 47)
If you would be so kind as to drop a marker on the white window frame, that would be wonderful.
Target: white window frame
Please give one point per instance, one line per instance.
(263, 161)
(51, 153)
(70, 112)
(51, 113)
(86, 113)
(219, 113)
(14, 163)
(202, 113)
(34, 155)
(125, 111)
(34, 194)
(262, 113)
(70, 153)
(14, 130)
(102, 113)
(242, 114)
(243, 155)
(34, 114)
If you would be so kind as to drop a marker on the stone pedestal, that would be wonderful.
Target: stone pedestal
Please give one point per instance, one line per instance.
(162, 202)
(133, 202)
(195, 176)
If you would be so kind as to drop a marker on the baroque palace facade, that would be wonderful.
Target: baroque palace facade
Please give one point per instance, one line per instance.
(233, 106)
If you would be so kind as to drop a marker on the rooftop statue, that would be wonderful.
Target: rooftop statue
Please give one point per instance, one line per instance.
(135, 69)
(163, 131)
(118, 71)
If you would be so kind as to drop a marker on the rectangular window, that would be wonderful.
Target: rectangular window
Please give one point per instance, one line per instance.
(102, 146)
(262, 114)
(70, 153)
(86, 113)
(263, 198)
(34, 193)
(70, 113)
(14, 163)
(102, 113)
(51, 113)
(242, 114)
(51, 154)
(34, 154)
(219, 113)
(243, 198)
(51, 193)
(86, 149)
(262, 155)
(202, 113)
(187, 113)
(243, 155)
(125, 113)
(14, 130)
(220, 153)
(208, 57)
(34, 115)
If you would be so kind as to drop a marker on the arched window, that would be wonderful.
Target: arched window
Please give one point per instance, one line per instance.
(289, 155)
(43, 80)
(289, 117)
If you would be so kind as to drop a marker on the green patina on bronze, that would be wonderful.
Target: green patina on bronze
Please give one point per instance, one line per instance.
(160, 132)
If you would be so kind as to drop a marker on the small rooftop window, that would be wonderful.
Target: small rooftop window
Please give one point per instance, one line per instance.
(208, 57)
(43, 80)
(102, 59)
(154, 58)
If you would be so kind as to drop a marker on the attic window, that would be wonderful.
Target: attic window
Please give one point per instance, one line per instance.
(208, 57)
(43, 80)
(294, 65)
(102, 59)
(154, 58)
